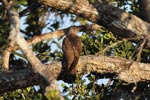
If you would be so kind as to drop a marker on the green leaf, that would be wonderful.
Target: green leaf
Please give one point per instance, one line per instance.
(108, 36)
(28, 89)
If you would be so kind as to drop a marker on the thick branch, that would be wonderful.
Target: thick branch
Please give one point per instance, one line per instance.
(126, 70)
(114, 19)
(16, 38)
(19, 79)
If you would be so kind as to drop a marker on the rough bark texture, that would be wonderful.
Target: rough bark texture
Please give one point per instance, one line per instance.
(114, 19)
(19, 79)
(126, 70)
(15, 35)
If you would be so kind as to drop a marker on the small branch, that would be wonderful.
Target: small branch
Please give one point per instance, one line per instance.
(5, 2)
(108, 83)
(108, 47)
(140, 50)
(5, 59)
(115, 44)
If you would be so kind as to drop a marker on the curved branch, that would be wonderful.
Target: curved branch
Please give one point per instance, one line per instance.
(16, 38)
(55, 34)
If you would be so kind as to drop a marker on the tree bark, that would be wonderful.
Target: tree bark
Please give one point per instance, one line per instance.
(127, 71)
(19, 79)
(114, 19)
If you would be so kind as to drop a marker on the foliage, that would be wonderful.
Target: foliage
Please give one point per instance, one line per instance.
(28, 93)
(95, 42)
(53, 95)
(38, 19)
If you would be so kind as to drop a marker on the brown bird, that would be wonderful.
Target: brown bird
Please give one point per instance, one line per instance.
(72, 47)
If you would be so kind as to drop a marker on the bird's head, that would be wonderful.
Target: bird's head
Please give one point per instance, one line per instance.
(73, 30)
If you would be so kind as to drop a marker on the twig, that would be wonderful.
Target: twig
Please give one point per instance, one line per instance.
(108, 47)
(108, 83)
(5, 60)
(114, 44)
(140, 50)
(5, 2)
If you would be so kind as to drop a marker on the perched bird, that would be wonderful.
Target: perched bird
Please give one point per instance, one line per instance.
(72, 47)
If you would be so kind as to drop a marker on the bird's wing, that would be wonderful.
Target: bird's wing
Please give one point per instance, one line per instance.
(77, 45)
(68, 53)
(77, 48)
(72, 69)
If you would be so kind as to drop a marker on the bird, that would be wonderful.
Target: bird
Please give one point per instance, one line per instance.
(72, 48)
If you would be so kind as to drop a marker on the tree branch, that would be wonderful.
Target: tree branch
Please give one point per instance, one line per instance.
(127, 71)
(112, 18)
(55, 34)
(16, 38)
(19, 79)
(13, 29)
(140, 50)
